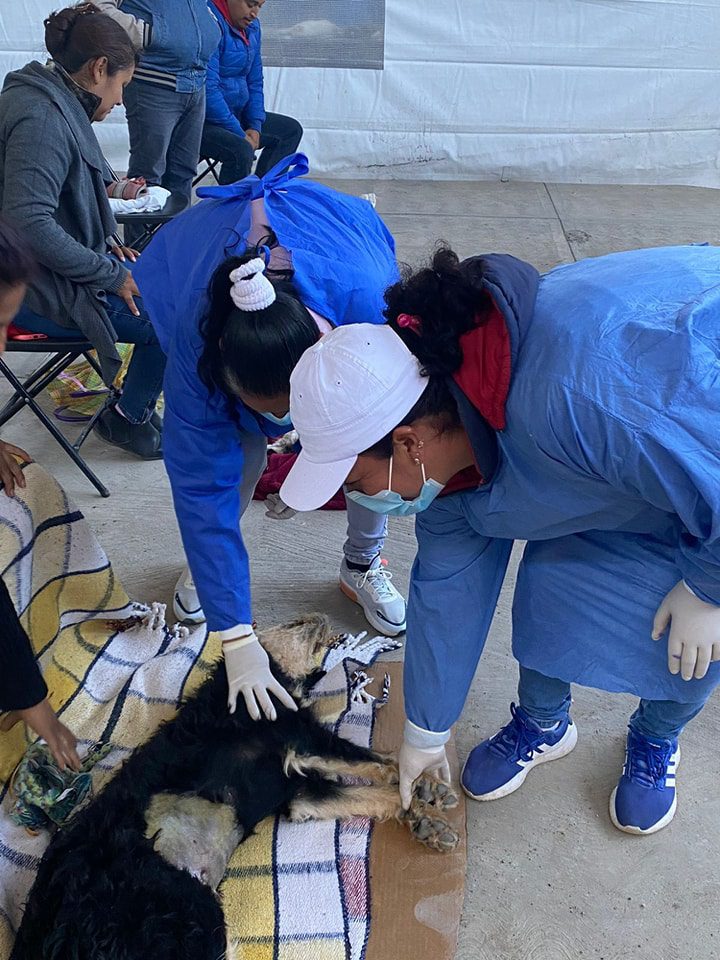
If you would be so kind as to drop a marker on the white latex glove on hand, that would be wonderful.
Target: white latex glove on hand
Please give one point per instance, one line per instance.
(694, 639)
(277, 509)
(415, 761)
(248, 672)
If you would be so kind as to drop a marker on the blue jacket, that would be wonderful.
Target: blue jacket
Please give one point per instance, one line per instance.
(609, 465)
(344, 258)
(178, 40)
(234, 90)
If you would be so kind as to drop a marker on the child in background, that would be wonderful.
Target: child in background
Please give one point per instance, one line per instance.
(236, 125)
(165, 103)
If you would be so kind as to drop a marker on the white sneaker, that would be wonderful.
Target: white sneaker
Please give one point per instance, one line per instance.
(372, 590)
(186, 603)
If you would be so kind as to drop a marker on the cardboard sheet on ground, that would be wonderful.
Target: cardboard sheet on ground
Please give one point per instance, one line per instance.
(115, 680)
(416, 894)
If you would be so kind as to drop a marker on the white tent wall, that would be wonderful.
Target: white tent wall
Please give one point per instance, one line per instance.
(621, 91)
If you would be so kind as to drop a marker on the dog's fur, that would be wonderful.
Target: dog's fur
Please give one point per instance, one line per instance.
(133, 876)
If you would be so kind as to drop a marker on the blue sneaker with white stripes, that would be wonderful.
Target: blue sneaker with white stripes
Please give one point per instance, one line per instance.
(498, 767)
(644, 801)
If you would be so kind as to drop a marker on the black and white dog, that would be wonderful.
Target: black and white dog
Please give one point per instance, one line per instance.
(133, 876)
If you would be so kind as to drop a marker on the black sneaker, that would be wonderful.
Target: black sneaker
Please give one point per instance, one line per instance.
(142, 439)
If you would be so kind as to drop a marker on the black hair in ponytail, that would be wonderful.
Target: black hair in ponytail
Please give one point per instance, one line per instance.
(448, 302)
(253, 350)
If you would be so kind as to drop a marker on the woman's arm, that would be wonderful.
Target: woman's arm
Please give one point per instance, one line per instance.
(34, 180)
(204, 460)
(454, 588)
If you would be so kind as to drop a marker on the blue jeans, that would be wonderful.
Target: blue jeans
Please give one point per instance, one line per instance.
(548, 700)
(280, 138)
(165, 129)
(366, 530)
(144, 378)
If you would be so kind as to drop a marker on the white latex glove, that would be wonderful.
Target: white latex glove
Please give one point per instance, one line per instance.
(415, 761)
(277, 509)
(694, 639)
(248, 672)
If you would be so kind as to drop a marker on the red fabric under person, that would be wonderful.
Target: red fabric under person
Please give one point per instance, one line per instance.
(280, 464)
(484, 376)
(17, 333)
(223, 8)
(278, 467)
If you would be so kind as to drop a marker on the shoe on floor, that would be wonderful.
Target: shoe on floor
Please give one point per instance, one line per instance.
(644, 801)
(142, 439)
(498, 767)
(186, 603)
(383, 606)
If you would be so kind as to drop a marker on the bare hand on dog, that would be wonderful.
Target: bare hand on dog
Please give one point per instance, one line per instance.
(62, 742)
(11, 474)
(248, 673)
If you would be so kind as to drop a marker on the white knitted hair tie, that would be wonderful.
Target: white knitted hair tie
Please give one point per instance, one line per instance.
(251, 289)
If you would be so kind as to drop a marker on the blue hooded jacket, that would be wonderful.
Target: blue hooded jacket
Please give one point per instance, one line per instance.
(608, 465)
(344, 259)
(234, 92)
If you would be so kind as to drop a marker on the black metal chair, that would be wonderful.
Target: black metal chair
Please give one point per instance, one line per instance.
(210, 168)
(150, 223)
(62, 354)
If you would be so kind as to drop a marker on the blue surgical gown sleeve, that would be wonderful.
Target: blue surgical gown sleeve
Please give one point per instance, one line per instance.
(204, 460)
(454, 588)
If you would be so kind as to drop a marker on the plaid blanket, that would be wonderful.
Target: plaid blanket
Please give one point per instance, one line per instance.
(115, 671)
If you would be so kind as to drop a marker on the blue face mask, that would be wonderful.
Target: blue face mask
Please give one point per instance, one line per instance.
(284, 422)
(392, 504)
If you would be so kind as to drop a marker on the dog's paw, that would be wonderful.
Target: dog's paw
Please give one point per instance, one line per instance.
(433, 832)
(430, 792)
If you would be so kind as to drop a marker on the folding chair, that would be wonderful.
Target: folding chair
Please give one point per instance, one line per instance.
(151, 222)
(63, 353)
(210, 168)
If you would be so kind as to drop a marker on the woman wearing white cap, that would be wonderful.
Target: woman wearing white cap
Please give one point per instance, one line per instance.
(579, 411)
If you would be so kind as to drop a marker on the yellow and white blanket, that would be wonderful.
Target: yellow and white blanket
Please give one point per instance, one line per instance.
(293, 891)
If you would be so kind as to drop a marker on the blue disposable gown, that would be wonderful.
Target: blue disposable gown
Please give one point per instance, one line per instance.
(609, 466)
(344, 258)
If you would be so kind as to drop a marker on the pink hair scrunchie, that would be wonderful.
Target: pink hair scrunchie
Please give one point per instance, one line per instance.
(409, 322)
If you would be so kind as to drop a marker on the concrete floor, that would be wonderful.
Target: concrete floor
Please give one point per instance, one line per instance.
(549, 878)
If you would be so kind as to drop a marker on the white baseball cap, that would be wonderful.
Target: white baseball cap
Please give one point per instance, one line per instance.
(347, 392)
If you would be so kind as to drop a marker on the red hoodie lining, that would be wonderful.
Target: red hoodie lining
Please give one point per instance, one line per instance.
(223, 8)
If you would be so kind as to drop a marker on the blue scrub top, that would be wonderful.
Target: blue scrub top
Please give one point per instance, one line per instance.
(344, 259)
(609, 466)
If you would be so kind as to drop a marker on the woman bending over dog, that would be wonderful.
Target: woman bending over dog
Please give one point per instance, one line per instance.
(286, 261)
(579, 411)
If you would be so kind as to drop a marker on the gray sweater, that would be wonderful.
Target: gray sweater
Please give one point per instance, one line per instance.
(52, 187)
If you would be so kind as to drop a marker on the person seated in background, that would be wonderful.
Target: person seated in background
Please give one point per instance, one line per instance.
(23, 693)
(165, 103)
(52, 189)
(236, 124)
